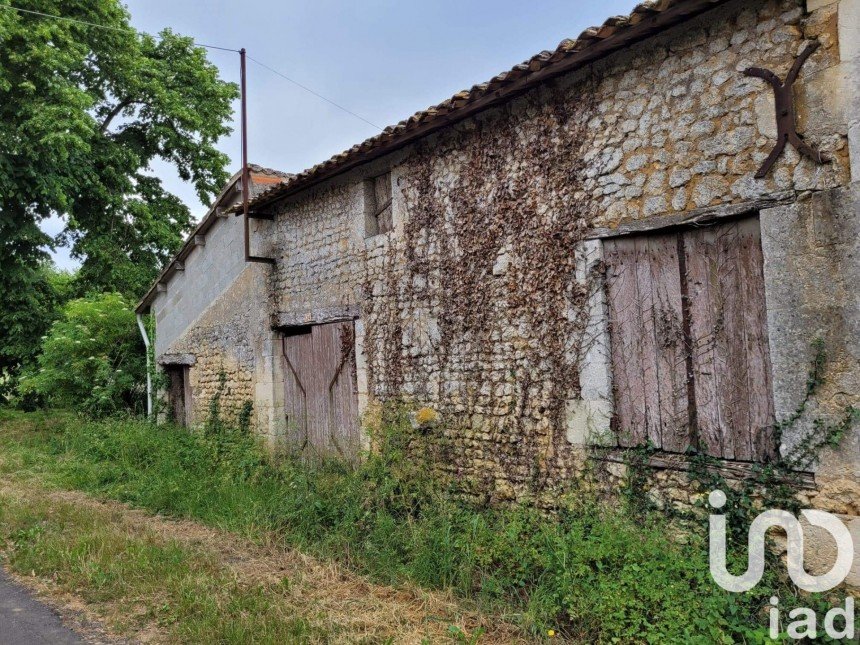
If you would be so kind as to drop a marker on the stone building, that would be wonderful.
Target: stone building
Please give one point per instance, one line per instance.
(622, 242)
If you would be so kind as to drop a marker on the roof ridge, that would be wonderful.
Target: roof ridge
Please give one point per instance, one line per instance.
(263, 170)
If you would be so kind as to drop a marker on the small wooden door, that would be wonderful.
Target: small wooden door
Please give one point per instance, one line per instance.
(320, 390)
(178, 394)
(728, 337)
(648, 348)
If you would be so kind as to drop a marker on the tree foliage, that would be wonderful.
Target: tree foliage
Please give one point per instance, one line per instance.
(92, 358)
(84, 112)
(27, 313)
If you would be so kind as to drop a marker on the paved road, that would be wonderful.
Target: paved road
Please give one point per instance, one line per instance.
(26, 621)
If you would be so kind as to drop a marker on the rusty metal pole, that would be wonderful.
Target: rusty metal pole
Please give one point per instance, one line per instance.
(246, 175)
(246, 171)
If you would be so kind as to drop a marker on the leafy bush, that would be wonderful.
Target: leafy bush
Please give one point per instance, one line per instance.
(92, 358)
(591, 573)
(32, 301)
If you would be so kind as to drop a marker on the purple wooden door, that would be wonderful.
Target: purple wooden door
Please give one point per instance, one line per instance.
(689, 348)
(320, 392)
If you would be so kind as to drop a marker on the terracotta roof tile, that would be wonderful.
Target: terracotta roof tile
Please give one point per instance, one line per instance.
(262, 170)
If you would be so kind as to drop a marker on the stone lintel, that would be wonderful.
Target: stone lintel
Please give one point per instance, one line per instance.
(177, 359)
(698, 216)
(315, 316)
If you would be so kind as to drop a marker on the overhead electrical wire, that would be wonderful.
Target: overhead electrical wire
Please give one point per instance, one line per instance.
(317, 94)
(226, 49)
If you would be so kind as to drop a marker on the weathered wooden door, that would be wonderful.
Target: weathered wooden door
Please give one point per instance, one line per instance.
(320, 390)
(178, 394)
(648, 357)
(729, 346)
(689, 348)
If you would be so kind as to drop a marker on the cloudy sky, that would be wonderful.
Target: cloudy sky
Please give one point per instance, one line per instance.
(381, 59)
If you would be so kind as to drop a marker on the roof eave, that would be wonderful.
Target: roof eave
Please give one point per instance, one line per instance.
(202, 228)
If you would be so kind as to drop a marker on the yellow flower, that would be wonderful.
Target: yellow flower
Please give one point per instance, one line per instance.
(550, 633)
(426, 415)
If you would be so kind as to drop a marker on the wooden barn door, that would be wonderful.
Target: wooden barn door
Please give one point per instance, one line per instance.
(729, 346)
(689, 348)
(320, 391)
(178, 394)
(648, 344)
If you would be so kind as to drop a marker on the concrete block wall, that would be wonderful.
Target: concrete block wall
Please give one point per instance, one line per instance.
(209, 272)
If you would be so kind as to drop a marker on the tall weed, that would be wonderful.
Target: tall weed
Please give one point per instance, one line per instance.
(589, 573)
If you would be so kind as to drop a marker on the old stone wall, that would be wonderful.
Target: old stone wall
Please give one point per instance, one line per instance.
(209, 271)
(228, 343)
(485, 302)
(318, 244)
(477, 305)
(686, 129)
(318, 241)
(213, 316)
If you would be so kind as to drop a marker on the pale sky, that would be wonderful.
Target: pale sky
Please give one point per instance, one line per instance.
(382, 59)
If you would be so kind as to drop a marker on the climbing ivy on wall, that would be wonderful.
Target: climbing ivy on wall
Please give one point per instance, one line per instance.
(768, 485)
(481, 281)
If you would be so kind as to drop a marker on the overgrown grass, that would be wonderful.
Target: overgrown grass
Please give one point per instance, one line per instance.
(591, 573)
(189, 594)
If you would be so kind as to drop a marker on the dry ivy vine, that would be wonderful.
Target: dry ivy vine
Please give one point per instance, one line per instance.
(508, 188)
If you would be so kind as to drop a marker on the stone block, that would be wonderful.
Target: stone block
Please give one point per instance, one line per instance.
(177, 359)
(811, 271)
(849, 29)
(587, 422)
(819, 549)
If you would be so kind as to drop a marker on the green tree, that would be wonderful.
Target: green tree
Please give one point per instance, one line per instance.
(27, 314)
(83, 114)
(92, 358)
